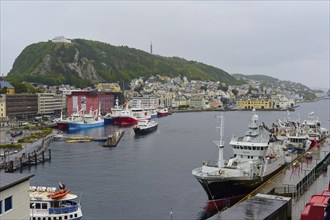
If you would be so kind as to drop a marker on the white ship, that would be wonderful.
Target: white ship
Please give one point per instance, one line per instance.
(50, 203)
(257, 157)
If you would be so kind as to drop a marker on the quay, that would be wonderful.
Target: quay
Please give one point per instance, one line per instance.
(292, 187)
(33, 154)
(114, 138)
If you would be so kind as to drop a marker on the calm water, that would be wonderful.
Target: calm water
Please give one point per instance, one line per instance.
(146, 177)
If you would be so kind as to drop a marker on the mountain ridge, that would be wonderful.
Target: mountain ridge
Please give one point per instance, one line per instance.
(86, 62)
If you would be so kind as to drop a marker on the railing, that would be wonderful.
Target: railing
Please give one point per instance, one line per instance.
(69, 209)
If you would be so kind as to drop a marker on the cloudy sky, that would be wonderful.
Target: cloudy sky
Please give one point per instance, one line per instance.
(288, 40)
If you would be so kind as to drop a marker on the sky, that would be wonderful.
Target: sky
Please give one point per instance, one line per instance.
(288, 40)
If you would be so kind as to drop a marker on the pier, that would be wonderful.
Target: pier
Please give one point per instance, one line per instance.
(295, 181)
(114, 138)
(40, 154)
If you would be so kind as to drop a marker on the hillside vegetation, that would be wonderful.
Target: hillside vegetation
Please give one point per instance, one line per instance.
(85, 62)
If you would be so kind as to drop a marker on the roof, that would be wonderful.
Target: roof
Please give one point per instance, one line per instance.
(6, 84)
(261, 206)
(8, 180)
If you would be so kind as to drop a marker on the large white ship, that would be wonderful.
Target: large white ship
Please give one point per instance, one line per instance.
(257, 157)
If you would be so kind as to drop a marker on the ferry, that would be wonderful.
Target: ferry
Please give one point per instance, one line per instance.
(53, 204)
(145, 127)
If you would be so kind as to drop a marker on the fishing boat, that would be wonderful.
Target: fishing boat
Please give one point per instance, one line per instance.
(52, 203)
(257, 157)
(90, 120)
(62, 124)
(131, 116)
(114, 112)
(312, 126)
(145, 127)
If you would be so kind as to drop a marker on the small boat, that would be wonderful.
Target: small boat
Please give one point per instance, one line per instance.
(145, 127)
(59, 194)
(162, 112)
(53, 203)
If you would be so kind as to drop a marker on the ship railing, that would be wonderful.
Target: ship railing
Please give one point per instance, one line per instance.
(69, 209)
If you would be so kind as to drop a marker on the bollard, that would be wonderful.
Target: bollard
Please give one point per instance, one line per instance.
(20, 165)
(35, 159)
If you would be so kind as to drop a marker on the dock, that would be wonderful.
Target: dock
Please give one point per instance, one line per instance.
(114, 138)
(295, 181)
(39, 155)
(79, 138)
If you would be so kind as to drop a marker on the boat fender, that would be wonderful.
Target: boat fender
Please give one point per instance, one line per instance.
(221, 172)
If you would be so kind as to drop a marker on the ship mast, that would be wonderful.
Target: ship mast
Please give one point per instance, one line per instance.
(220, 143)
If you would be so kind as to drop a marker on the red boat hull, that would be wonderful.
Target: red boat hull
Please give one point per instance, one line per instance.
(125, 121)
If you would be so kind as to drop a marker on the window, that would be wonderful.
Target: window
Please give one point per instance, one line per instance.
(8, 204)
(0, 207)
(38, 205)
(44, 205)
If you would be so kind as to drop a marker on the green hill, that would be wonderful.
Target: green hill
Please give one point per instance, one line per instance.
(85, 62)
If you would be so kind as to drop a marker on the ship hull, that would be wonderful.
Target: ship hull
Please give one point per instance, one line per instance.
(224, 192)
(62, 125)
(125, 121)
(139, 131)
(77, 126)
(108, 120)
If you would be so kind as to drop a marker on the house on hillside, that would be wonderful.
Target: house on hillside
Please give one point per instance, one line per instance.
(4, 85)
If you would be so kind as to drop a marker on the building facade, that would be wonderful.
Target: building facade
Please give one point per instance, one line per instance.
(197, 102)
(144, 101)
(257, 103)
(92, 100)
(51, 103)
(21, 105)
(14, 196)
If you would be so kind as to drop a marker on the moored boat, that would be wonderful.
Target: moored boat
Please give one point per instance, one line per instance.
(52, 203)
(90, 120)
(145, 127)
(257, 157)
(162, 112)
(131, 116)
(114, 112)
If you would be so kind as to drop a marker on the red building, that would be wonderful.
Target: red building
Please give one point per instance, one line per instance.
(87, 100)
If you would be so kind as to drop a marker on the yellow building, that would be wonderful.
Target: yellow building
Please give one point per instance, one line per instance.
(108, 87)
(2, 107)
(6, 85)
(257, 103)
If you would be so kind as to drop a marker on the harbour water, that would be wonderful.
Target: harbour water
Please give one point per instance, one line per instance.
(149, 177)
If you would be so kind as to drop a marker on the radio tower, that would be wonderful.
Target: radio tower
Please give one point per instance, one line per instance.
(151, 47)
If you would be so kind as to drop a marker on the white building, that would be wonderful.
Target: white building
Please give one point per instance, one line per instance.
(144, 101)
(282, 102)
(61, 39)
(14, 196)
(50, 103)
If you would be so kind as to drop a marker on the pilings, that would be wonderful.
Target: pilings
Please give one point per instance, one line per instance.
(32, 158)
